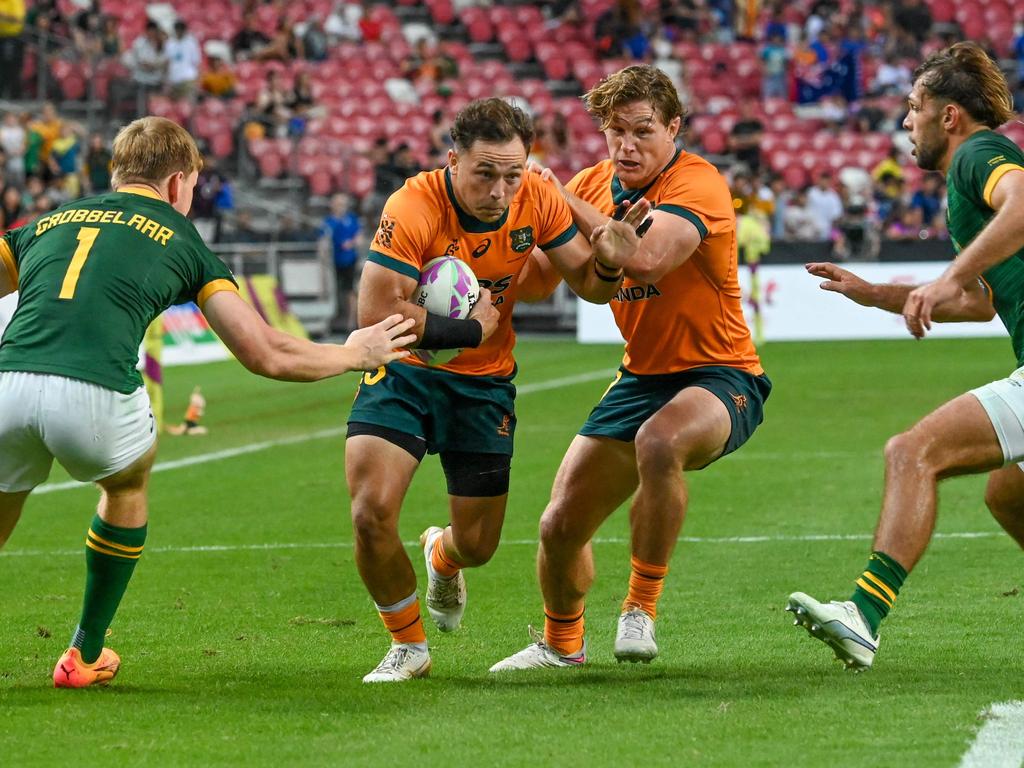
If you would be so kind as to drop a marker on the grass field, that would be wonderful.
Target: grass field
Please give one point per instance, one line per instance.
(246, 629)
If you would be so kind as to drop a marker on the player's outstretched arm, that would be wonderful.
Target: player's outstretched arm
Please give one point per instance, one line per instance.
(1002, 237)
(971, 304)
(278, 355)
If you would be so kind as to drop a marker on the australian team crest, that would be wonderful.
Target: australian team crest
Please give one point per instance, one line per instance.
(522, 239)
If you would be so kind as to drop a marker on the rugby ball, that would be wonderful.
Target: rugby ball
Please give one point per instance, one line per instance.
(447, 287)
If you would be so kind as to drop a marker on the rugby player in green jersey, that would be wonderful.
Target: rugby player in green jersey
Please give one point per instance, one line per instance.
(959, 96)
(90, 277)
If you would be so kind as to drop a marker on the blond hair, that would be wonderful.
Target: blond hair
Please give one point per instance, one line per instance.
(966, 75)
(640, 82)
(150, 149)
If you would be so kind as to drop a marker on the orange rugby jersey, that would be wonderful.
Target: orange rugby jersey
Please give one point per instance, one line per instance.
(422, 221)
(693, 316)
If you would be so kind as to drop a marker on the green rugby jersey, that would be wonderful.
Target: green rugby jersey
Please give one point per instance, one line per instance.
(92, 276)
(977, 166)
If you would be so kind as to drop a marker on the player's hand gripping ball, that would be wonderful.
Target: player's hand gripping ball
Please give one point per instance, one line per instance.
(447, 288)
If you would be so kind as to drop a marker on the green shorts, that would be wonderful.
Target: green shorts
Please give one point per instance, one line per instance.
(448, 411)
(632, 399)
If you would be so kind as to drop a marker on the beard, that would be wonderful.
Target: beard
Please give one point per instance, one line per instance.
(929, 154)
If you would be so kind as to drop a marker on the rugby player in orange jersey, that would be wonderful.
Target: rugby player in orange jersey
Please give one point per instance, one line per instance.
(690, 389)
(486, 210)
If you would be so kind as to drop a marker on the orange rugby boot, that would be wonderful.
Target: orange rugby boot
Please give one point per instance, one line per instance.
(72, 672)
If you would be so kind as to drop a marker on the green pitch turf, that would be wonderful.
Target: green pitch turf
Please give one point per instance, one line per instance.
(246, 630)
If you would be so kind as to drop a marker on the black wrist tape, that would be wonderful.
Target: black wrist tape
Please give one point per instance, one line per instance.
(446, 333)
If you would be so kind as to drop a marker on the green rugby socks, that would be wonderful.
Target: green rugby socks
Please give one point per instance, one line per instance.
(110, 556)
(877, 588)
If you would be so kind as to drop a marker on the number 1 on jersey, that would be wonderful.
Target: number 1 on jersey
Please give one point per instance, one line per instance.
(86, 239)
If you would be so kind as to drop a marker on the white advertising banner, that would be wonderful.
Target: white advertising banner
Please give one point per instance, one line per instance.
(794, 308)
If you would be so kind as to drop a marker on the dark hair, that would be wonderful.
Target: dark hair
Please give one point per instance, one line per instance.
(964, 74)
(491, 120)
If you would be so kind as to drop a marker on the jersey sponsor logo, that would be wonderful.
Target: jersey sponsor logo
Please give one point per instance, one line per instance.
(481, 249)
(497, 287)
(739, 402)
(452, 249)
(521, 238)
(385, 232)
(636, 293)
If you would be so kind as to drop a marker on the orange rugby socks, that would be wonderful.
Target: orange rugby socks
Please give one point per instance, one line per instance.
(563, 632)
(645, 584)
(403, 620)
(444, 565)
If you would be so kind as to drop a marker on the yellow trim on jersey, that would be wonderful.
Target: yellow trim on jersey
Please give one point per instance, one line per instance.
(212, 287)
(7, 257)
(868, 588)
(993, 178)
(133, 189)
(880, 584)
(111, 544)
(111, 552)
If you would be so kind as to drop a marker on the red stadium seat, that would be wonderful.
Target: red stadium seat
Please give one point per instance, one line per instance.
(715, 142)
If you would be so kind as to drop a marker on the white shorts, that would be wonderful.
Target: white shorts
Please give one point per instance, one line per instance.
(1003, 401)
(94, 432)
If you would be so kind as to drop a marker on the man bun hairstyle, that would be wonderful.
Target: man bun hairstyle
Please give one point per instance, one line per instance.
(964, 74)
(491, 120)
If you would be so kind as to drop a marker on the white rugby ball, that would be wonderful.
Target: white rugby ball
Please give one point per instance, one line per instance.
(447, 288)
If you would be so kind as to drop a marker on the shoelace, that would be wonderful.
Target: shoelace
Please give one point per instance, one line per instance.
(446, 592)
(394, 659)
(633, 626)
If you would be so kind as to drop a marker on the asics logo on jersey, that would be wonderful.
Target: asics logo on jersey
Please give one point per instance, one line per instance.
(481, 249)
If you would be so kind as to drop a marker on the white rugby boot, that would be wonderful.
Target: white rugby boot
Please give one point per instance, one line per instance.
(539, 655)
(839, 625)
(403, 661)
(446, 598)
(634, 640)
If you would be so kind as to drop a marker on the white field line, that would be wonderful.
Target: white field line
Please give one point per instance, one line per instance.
(1000, 742)
(206, 458)
(415, 545)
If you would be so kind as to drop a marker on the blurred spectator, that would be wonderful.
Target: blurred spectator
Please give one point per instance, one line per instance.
(342, 22)
(301, 104)
(774, 66)
(428, 63)
(314, 40)
(913, 17)
(682, 18)
(343, 230)
(249, 40)
(392, 168)
(370, 29)
(12, 51)
(551, 144)
(890, 164)
(615, 26)
(64, 159)
(10, 208)
(13, 141)
(928, 199)
(292, 229)
(213, 196)
(825, 204)
(440, 136)
(272, 105)
(888, 193)
(905, 224)
(893, 77)
(218, 79)
(184, 58)
(147, 61)
(97, 165)
(48, 127)
(856, 236)
(284, 46)
(745, 137)
(110, 37)
(87, 29)
(800, 223)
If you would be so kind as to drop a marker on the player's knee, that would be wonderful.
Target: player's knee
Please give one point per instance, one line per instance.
(657, 451)
(907, 452)
(556, 526)
(1004, 506)
(373, 517)
(476, 551)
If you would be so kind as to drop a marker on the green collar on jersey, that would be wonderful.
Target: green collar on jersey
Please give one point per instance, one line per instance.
(467, 222)
(620, 193)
